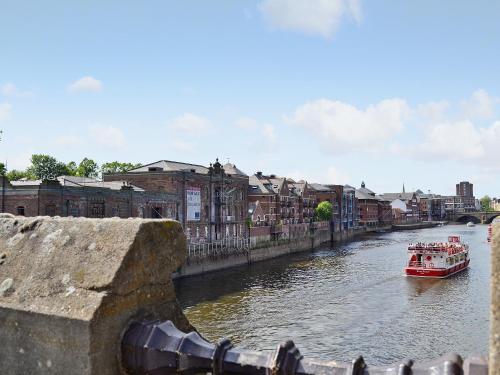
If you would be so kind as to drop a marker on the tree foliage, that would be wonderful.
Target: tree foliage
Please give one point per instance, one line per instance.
(45, 167)
(15, 175)
(485, 203)
(324, 211)
(87, 168)
(2, 169)
(118, 167)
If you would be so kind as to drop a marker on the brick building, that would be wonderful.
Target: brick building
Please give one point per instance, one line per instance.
(213, 202)
(332, 194)
(373, 210)
(77, 196)
(280, 198)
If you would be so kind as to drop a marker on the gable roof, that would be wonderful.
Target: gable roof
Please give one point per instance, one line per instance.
(168, 165)
(258, 186)
(231, 169)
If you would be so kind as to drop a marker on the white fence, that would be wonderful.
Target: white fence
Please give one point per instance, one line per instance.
(220, 248)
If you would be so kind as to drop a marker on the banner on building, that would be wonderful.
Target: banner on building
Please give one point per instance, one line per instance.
(193, 204)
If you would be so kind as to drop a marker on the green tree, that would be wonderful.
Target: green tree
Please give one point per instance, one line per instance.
(45, 167)
(117, 167)
(485, 203)
(15, 175)
(3, 170)
(324, 211)
(87, 168)
(72, 169)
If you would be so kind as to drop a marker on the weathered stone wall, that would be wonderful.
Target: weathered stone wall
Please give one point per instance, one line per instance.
(70, 286)
(494, 360)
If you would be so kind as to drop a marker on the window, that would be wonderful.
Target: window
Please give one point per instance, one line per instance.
(20, 210)
(156, 213)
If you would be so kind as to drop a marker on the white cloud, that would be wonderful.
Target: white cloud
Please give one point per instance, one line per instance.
(191, 124)
(480, 106)
(5, 111)
(68, 140)
(321, 17)
(355, 10)
(85, 84)
(433, 111)
(342, 127)
(452, 140)
(107, 136)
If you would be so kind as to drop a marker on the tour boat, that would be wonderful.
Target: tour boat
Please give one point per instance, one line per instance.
(437, 259)
(471, 224)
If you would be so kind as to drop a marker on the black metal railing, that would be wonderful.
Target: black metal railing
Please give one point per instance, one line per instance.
(160, 348)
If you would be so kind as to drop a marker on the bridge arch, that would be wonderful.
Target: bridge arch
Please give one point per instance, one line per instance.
(490, 219)
(466, 218)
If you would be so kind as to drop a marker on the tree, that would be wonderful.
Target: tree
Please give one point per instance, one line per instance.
(3, 170)
(87, 168)
(324, 211)
(72, 169)
(117, 167)
(15, 175)
(45, 167)
(485, 203)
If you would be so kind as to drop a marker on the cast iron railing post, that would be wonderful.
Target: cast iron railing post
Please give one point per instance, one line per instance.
(159, 348)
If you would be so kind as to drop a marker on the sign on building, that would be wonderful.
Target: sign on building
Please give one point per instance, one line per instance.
(193, 204)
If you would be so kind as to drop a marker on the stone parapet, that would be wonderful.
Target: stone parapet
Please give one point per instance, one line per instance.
(70, 286)
(494, 358)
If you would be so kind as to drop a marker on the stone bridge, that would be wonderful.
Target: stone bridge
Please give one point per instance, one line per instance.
(95, 297)
(475, 217)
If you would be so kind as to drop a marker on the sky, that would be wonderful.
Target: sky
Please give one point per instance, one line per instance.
(330, 91)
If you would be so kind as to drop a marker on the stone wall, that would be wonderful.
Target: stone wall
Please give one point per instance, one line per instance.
(494, 358)
(70, 286)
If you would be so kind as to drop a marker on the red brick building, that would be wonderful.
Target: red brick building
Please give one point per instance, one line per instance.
(77, 196)
(373, 210)
(213, 200)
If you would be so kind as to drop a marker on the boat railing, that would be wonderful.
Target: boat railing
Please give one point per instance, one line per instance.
(420, 264)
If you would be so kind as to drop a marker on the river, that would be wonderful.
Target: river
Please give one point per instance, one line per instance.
(348, 300)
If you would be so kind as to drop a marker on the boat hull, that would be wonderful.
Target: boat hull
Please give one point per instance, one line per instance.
(437, 273)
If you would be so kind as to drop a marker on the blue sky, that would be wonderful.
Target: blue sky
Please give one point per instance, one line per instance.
(333, 91)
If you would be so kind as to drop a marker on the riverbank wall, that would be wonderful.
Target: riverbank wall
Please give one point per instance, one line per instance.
(268, 249)
(413, 226)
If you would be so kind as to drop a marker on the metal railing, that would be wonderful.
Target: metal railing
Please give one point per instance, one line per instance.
(160, 348)
(220, 248)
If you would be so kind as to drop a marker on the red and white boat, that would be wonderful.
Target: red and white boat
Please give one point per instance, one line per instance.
(437, 259)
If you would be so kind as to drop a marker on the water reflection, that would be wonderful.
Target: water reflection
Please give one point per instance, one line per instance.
(349, 300)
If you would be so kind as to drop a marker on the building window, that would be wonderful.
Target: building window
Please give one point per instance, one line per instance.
(20, 210)
(156, 213)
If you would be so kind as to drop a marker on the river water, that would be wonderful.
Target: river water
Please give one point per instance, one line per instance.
(348, 300)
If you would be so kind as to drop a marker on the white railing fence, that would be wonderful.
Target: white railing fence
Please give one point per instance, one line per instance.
(220, 248)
